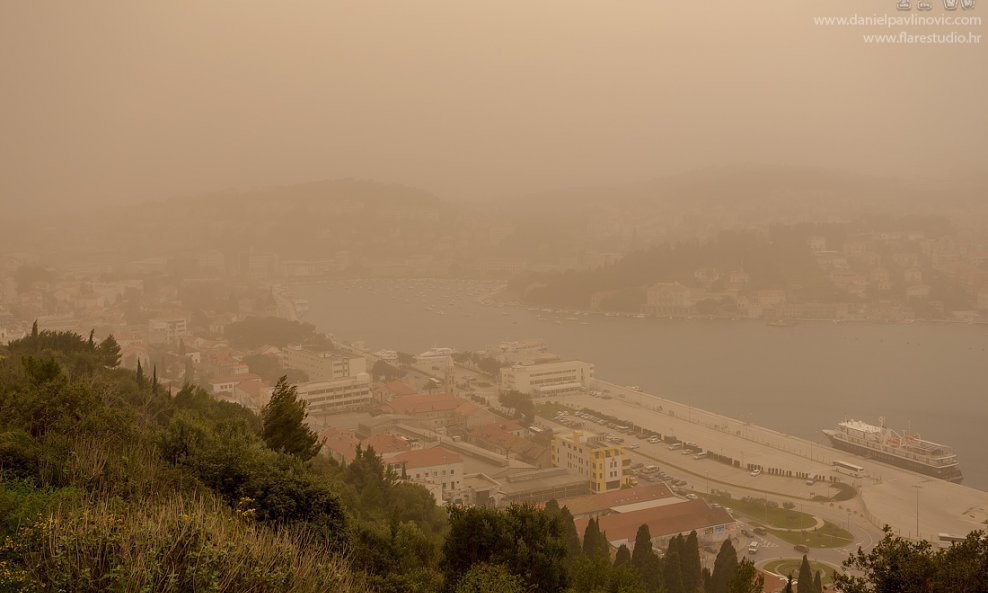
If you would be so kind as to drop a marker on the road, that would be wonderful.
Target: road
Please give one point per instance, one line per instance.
(888, 495)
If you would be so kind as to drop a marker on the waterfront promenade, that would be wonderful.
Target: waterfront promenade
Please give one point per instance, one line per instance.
(888, 495)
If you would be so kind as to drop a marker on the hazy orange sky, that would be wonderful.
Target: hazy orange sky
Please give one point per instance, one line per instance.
(122, 100)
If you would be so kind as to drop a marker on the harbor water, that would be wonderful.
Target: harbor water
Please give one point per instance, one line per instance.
(931, 378)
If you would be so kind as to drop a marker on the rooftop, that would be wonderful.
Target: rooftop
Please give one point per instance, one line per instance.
(420, 404)
(399, 388)
(430, 457)
(662, 521)
(598, 503)
(385, 443)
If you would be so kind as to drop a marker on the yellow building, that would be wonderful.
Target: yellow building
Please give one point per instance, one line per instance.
(604, 464)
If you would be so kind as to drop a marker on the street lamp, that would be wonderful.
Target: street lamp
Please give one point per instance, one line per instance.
(917, 487)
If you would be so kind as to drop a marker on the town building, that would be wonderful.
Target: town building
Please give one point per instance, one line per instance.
(387, 392)
(435, 465)
(440, 411)
(593, 458)
(712, 525)
(548, 379)
(503, 439)
(668, 299)
(337, 395)
(322, 364)
(618, 501)
(167, 330)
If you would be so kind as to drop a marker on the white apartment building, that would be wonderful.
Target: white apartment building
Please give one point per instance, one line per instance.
(322, 364)
(594, 458)
(435, 465)
(167, 330)
(337, 395)
(548, 379)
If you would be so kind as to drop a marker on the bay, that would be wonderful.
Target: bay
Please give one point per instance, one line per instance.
(930, 377)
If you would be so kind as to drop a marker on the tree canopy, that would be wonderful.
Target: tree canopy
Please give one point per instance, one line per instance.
(898, 564)
(284, 427)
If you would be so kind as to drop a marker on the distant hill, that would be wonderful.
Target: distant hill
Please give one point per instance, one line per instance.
(304, 220)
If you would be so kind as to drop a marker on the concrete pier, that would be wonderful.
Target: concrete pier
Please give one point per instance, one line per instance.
(914, 505)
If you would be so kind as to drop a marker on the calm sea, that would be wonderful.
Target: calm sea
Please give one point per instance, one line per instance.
(930, 377)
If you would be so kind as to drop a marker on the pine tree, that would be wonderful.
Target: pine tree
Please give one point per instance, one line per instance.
(746, 579)
(804, 584)
(284, 427)
(109, 351)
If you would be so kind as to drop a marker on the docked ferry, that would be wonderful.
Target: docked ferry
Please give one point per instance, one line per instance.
(900, 448)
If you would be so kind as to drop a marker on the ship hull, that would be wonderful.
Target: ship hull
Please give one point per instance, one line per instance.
(951, 474)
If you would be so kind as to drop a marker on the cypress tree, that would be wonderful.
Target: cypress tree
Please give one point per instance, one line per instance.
(788, 588)
(570, 536)
(724, 567)
(818, 582)
(804, 584)
(673, 573)
(691, 566)
(643, 547)
(140, 373)
(623, 556)
(594, 542)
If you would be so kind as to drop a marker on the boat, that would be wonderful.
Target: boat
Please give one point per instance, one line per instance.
(780, 322)
(900, 448)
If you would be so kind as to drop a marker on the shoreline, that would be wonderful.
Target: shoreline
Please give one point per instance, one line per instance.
(490, 299)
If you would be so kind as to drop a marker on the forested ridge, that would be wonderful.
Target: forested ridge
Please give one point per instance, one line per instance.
(110, 483)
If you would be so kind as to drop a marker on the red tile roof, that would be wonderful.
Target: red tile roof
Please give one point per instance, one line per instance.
(340, 444)
(773, 582)
(430, 457)
(662, 520)
(399, 388)
(420, 404)
(385, 443)
(592, 504)
(494, 434)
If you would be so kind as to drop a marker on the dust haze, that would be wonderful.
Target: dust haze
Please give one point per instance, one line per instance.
(119, 102)
(451, 296)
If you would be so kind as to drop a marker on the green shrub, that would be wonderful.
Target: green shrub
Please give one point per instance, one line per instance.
(182, 544)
